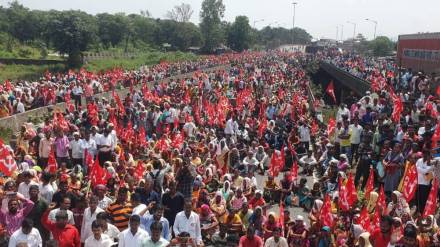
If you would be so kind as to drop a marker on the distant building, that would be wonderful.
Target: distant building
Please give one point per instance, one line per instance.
(420, 52)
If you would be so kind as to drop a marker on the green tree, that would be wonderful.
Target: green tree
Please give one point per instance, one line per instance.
(71, 33)
(111, 28)
(211, 14)
(23, 24)
(180, 13)
(239, 35)
(382, 46)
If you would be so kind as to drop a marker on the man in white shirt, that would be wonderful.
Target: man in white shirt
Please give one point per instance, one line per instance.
(342, 110)
(107, 228)
(231, 126)
(76, 151)
(98, 239)
(46, 188)
(133, 236)
(89, 217)
(156, 239)
(24, 186)
(77, 92)
(89, 145)
(424, 176)
(189, 128)
(355, 138)
(64, 205)
(276, 240)
(27, 234)
(188, 221)
(304, 135)
(20, 106)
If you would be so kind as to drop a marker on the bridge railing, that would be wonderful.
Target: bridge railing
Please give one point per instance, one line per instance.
(358, 85)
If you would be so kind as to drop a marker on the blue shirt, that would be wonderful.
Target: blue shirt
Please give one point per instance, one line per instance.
(146, 222)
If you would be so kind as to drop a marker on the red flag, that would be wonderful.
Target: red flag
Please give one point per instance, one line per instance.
(331, 126)
(52, 165)
(98, 175)
(262, 127)
(410, 183)
(281, 219)
(331, 90)
(7, 161)
(364, 219)
(370, 184)
(376, 221)
(294, 171)
(438, 91)
(314, 128)
(282, 158)
(140, 169)
(397, 109)
(88, 159)
(351, 190)
(344, 204)
(431, 203)
(142, 137)
(119, 103)
(177, 141)
(381, 200)
(275, 164)
(326, 216)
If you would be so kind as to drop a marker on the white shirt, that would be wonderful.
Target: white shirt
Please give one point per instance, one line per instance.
(190, 225)
(189, 128)
(77, 90)
(270, 242)
(105, 202)
(33, 239)
(126, 238)
(112, 231)
(90, 145)
(105, 241)
(20, 107)
(139, 208)
(422, 169)
(103, 140)
(304, 134)
(341, 112)
(86, 225)
(76, 147)
(231, 127)
(355, 133)
(23, 188)
(53, 213)
(161, 243)
(46, 192)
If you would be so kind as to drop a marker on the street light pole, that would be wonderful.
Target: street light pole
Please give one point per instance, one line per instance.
(342, 33)
(354, 29)
(293, 23)
(375, 26)
(337, 33)
(255, 22)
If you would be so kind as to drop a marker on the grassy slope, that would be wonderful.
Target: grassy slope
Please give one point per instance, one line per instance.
(14, 72)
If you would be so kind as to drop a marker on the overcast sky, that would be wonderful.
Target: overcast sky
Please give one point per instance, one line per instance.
(319, 17)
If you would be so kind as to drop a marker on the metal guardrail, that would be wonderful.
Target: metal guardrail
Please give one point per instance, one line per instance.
(358, 85)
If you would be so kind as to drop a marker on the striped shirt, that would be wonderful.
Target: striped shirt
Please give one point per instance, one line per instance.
(120, 214)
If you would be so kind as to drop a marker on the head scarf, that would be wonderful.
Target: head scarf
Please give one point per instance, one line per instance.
(372, 201)
(366, 237)
(317, 205)
(401, 204)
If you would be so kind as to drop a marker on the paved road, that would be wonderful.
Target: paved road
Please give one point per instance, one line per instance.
(294, 211)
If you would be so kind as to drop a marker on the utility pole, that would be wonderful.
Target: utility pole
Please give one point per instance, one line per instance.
(354, 29)
(293, 23)
(375, 26)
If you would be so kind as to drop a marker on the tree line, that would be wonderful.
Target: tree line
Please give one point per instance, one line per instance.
(73, 32)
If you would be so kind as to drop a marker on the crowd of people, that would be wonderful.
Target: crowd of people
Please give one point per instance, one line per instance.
(240, 156)
(21, 95)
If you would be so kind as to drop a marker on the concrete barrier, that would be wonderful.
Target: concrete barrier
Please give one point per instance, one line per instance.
(15, 121)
